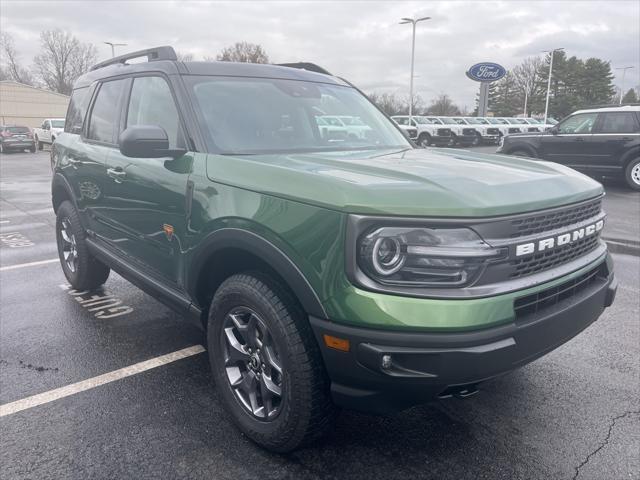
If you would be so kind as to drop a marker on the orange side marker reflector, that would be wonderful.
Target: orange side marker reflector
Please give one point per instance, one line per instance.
(336, 343)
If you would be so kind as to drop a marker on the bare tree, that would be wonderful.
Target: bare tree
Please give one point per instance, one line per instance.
(184, 57)
(244, 52)
(389, 103)
(11, 67)
(63, 58)
(527, 79)
(443, 105)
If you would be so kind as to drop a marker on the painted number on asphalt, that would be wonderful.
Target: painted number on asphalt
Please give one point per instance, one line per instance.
(15, 240)
(102, 306)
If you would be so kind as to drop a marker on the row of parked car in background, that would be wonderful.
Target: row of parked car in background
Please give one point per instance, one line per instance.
(21, 137)
(465, 131)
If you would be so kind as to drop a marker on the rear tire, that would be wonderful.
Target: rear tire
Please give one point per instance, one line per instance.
(632, 174)
(281, 351)
(83, 270)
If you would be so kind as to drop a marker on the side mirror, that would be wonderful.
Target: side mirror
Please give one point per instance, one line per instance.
(554, 131)
(147, 141)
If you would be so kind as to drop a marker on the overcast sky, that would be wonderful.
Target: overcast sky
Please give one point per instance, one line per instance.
(359, 40)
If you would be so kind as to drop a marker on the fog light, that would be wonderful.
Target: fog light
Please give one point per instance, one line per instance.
(386, 362)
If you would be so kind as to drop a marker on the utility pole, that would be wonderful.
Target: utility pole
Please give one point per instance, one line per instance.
(624, 70)
(546, 105)
(113, 47)
(413, 22)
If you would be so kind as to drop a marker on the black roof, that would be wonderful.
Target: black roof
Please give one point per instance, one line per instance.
(162, 59)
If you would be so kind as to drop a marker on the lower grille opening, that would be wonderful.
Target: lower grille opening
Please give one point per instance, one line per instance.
(542, 301)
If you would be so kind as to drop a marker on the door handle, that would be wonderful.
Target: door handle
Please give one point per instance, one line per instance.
(117, 174)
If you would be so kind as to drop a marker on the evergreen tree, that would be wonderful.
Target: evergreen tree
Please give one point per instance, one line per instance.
(630, 97)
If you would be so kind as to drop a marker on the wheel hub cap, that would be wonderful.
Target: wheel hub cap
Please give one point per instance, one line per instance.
(252, 363)
(635, 174)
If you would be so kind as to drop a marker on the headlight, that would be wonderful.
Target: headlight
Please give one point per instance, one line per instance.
(424, 257)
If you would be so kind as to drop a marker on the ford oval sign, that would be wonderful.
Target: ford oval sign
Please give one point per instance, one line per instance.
(486, 72)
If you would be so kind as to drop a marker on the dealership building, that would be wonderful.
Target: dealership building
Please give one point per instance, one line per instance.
(28, 106)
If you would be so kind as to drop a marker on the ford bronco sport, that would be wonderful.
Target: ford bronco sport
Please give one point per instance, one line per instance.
(327, 271)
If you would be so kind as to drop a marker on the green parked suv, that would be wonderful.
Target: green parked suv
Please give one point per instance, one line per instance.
(353, 271)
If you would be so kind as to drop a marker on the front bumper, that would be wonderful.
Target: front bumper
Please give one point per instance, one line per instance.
(419, 366)
(466, 140)
(441, 141)
(491, 139)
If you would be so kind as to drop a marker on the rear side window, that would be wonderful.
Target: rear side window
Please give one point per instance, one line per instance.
(151, 103)
(104, 115)
(622, 122)
(77, 110)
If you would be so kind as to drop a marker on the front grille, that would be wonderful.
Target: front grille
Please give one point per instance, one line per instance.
(493, 131)
(444, 132)
(514, 130)
(550, 297)
(526, 226)
(553, 258)
(468, 131)
(532, 129)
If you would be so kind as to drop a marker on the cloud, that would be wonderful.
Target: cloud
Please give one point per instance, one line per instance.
(361, 41)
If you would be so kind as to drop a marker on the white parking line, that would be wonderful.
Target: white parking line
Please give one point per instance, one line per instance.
(30, 264)
(50, 396)
(4, 221)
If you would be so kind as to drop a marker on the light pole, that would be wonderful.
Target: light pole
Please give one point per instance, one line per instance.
(113, 45)
(624, 70)
(413, 22)
(546, 105)
(526, 97)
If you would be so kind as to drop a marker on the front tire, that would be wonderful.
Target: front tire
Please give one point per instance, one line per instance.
(266, 365)
(424, 140)
(632, 174)
(39, 143)
(522, 153)
(83, 270)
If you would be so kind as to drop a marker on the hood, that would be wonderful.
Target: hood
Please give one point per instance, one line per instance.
(414, 182)
(57, 130)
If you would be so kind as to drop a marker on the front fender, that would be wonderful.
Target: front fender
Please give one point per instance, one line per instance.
(253, 243)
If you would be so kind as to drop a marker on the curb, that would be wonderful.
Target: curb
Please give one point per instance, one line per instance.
(627, 247)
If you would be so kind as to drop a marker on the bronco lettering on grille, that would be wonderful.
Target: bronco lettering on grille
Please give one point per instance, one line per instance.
(559, 240)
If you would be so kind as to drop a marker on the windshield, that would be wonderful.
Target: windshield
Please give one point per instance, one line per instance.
(448, 121)
(533, 121)
(245, 115)
(552, 121)
(517, 121)
(476, 121)
(57, 123)
(498, 121)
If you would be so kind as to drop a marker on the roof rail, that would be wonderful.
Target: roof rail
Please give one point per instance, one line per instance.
(152, 54)
(311, 67)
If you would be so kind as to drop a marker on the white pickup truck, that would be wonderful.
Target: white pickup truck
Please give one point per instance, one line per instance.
(48, 132)
(428, 131)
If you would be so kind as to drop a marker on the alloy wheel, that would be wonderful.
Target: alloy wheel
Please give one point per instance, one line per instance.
(69, 246)
(252, 363)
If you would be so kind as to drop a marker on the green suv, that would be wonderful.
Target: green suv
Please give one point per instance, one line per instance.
(328, 270)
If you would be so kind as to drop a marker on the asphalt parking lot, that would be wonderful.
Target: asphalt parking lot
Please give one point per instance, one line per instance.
(572, 414)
